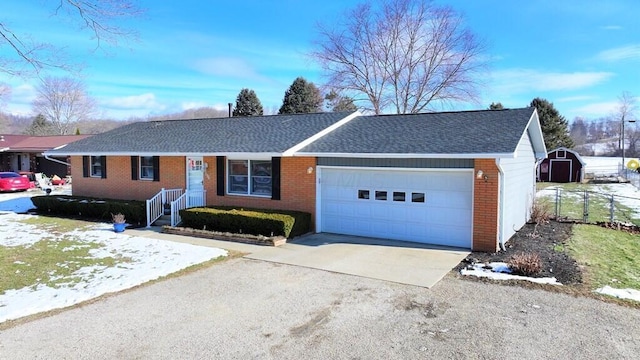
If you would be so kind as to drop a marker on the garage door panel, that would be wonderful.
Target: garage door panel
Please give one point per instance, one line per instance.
(443, 218)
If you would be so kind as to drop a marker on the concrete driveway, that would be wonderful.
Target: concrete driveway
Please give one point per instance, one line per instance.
(397, 261)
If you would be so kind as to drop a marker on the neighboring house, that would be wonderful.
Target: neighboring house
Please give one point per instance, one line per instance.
(464, 179)
(25, 153)
(562, 165)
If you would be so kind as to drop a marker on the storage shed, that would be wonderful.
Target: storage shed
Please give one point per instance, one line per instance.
(562, 165)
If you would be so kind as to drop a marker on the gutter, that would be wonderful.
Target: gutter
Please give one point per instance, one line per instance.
(56, 160)
(501, 206)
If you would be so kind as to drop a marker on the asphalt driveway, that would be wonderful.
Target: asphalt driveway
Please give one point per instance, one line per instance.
(397, 261)
(248, 309)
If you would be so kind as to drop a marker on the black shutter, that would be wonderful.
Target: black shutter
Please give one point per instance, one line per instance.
(156, 168)
(275, 178)
(85, 166)
(103, 162)
(220, 160)
(134, 168)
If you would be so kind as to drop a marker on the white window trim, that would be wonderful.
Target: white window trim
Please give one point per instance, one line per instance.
(248, 193)
(140, 169)
(91, 173)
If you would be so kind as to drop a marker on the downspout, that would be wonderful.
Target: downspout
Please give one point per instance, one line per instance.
(56, 160)
(500, 205)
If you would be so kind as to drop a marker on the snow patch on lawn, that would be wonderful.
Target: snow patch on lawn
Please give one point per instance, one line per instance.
(501, 271)
(629, 294)
(142, 259)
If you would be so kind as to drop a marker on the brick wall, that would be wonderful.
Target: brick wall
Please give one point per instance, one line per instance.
(485, 207)
(118, 184)
(298, 188)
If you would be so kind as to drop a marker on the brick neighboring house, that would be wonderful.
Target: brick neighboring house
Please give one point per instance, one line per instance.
(25, 153)
(464, 179)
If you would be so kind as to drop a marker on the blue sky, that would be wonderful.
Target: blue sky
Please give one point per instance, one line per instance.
(580, 55)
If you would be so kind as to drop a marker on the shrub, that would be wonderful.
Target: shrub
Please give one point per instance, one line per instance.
(91, 208)
(525, 264)
(540, 212)
(248, 221)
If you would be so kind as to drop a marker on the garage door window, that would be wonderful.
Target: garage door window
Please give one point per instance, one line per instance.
(398, 196)
(381, 195)
(417, 197)
(363, 194)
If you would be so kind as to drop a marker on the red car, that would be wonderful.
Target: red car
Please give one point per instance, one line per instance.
(10, 181)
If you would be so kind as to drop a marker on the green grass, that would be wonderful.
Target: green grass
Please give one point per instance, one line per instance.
(55, 224)
(49, 262)
(606, 255)
(572, 205)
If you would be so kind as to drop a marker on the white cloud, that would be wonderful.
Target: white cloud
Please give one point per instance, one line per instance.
(620, 53)
(227, 67)
(145, 101)
(574, 98)
(598, 109)
(192, 105)
(527, 80)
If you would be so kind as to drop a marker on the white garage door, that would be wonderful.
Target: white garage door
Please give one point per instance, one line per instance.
(431, 207)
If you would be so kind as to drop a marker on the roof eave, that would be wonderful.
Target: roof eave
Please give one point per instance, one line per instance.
(408, 155)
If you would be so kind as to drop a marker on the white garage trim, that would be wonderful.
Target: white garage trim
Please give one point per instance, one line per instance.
(462, 235)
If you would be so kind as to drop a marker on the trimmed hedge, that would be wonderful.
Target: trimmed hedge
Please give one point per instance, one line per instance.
(92, 208)
(247, 221)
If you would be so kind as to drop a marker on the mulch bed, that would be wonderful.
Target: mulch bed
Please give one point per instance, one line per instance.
(548, 242)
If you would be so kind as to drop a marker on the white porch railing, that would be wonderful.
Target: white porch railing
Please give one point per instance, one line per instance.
(155, 205)
(191, 198)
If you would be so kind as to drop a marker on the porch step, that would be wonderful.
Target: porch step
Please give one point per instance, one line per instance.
(163, 220)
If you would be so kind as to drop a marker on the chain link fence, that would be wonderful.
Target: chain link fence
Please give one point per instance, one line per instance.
(590, 206)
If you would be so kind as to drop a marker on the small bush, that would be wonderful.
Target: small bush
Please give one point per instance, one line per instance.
(540, 212)
(247, 221)
(525, 264)
(91, 208)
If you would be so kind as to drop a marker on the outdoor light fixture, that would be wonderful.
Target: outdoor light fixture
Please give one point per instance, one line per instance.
(481, 175)
(310, 170)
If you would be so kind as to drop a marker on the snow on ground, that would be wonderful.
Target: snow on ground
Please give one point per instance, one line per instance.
(620, 293)
(603, 165)
(501, 271)
(148, 259)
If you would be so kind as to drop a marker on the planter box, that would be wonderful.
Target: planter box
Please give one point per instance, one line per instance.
(241, 238)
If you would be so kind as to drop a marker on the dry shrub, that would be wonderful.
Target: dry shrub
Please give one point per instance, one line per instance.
(525, 264)
(540, 212)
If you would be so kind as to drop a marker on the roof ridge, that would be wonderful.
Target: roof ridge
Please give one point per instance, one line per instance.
(453, 112)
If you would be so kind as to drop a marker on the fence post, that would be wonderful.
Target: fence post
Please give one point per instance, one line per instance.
(164, 196)
(557, 202)
(611, 209)
(585, 210)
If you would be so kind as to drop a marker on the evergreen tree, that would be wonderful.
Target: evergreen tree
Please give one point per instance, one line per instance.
(248, 104)
(40, 127)
(555, 127)
(496, 106)
(337, 103)
(77, 131)
(301, 97)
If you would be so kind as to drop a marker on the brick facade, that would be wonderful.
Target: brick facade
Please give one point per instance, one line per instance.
(298, 187)
(485, 206)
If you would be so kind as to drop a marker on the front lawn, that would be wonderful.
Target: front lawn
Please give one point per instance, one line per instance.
(609, 257)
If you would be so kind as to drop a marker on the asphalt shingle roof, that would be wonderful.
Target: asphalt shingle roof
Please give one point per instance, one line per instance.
(229, 135)
(463, 132)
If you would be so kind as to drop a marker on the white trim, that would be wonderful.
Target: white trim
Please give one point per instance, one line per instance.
(320, 168)
(409, 156)
(316, 136)
(537, 137)
(183, 154)
(501, 217)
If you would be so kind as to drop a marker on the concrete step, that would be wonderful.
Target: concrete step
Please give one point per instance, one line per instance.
(163, 220)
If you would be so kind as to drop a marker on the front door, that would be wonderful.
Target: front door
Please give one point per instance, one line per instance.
(195, 173)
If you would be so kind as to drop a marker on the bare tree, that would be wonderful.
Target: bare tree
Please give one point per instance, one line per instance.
(63, 101)
(405, 55)
(625, 113)
(102, 19)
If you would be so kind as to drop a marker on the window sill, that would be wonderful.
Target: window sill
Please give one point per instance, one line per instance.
(250, 195)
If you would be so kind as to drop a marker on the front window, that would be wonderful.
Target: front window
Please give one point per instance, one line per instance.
(96, 166)
(250, 177)
(146, 167)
